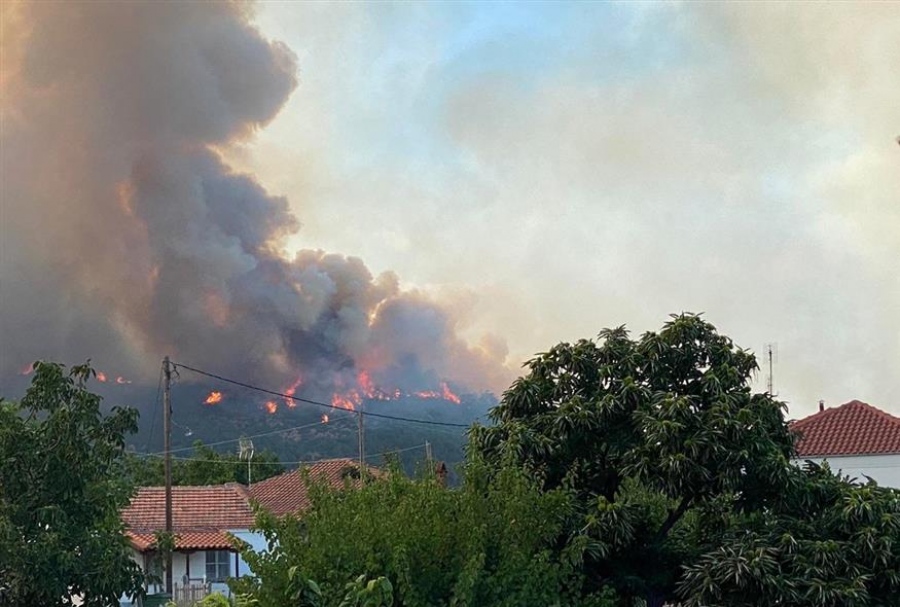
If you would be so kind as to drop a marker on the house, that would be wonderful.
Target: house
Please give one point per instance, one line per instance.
(207, 521)
(855, 438)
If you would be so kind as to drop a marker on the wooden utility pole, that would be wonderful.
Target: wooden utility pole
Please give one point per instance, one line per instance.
(167, 448)
(362, 444)
(429, 459)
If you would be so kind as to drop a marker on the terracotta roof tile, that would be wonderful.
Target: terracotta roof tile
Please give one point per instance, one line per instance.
(855, 428)
(287, 493)
(203, 508)
(188, 540)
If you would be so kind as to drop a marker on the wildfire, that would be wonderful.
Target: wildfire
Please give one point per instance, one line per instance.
(366, 389)
(324, 418)
(101, 376)
(271, 406)
(213, 398)
(290, 402)
(445, 393)
(348, 400)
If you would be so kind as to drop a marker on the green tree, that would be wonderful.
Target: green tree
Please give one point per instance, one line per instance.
(825, 542)
(650, 435)
(61, 491)
(414, 543)
(205, 466)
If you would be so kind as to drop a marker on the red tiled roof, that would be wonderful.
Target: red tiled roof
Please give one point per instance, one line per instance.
(204, 508)
(202, 515)
(855, 428)
(187, 540)
(287, 493)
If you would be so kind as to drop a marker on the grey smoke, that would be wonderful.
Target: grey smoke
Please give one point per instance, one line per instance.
(125, 236)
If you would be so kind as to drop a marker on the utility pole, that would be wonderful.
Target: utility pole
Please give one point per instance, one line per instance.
(167, 448)
(429, 460)
(771, 380)
(362, 444)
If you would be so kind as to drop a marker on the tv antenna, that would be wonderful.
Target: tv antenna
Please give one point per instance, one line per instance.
(245, 451)
(771, 354)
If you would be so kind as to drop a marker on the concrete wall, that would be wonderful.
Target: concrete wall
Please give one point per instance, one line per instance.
(885, 469)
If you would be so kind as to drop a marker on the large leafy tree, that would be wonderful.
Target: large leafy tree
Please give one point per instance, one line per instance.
(651, 435)
(61, 491)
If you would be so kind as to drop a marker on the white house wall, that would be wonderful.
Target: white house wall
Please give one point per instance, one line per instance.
(885, 469)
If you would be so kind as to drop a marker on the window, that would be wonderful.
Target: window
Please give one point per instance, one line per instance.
(218, 565)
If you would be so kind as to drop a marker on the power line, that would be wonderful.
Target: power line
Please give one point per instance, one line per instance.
(234, 440)
(310, 461)
(314, 402)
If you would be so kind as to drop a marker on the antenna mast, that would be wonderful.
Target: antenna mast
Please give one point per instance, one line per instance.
(770, 381)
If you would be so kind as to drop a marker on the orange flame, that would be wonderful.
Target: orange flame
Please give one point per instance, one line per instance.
(101, 376)
(445, 393)
(366, 389)
(324, 418)
(213, 398)
(122, 380)
(271, 406)
(348, 400)
(290, 402)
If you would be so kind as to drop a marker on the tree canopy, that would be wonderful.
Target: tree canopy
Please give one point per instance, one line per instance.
(61, 491)
(491, 542)
(647, 433)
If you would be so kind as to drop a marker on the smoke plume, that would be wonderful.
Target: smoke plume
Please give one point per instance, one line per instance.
(125, 236)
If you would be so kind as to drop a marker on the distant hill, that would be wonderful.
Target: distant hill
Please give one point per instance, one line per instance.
(300, 433)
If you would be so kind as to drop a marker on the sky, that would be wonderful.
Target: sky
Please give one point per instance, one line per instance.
(561, 168)
(511, 175)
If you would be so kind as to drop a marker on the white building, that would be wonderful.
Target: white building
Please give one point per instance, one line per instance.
(855, 438)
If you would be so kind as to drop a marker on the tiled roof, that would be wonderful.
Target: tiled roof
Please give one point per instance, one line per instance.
(287, 493)
(201, 515)
(204, 508)
(187, 540)
(854, 428)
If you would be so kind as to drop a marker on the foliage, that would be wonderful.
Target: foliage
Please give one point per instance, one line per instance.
(369, 593)
(648, 434)
(826, 542)
(215, 599)
(205, 466)
(61, 490)
(489, 543)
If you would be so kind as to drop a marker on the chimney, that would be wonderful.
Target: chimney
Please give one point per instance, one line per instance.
(821, 406)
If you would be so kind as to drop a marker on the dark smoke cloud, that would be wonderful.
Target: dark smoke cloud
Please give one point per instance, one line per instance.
(125, 236)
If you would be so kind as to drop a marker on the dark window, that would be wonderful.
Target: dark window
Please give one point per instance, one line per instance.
(218, 565)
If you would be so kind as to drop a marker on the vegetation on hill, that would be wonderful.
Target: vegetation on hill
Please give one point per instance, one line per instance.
(202, 466)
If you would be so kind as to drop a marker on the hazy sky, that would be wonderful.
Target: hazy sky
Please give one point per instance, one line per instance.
(560, 168)
(523, 174)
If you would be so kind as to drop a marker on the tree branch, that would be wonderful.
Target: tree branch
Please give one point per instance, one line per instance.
(674, 516)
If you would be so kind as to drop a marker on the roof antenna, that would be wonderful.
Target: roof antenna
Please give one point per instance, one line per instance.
(245, 450)
(770, 381)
